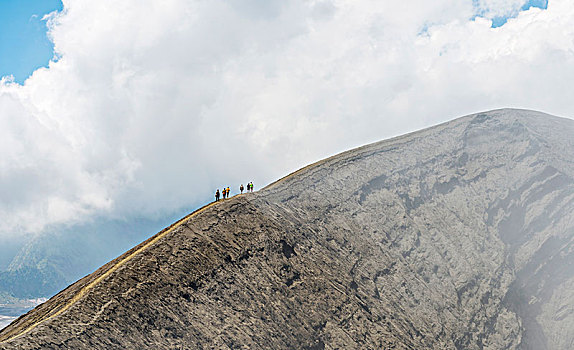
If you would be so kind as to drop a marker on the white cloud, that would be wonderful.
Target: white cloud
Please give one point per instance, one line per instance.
(152, 105)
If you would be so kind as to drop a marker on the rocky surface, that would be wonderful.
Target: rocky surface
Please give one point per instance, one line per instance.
(455, 237)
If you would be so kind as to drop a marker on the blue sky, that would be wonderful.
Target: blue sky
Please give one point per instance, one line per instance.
(500, 21)
(24, 45)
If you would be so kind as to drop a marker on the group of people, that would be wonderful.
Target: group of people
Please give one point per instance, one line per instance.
(249, 187)
(225, 191)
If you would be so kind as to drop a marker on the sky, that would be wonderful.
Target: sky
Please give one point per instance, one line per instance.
(151, 106)
(24, 44)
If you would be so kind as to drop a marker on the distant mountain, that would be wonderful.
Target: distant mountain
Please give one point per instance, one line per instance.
(455, 237)
(58, 257)
(9, 247)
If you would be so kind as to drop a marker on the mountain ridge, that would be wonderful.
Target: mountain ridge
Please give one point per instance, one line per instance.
(368, 248)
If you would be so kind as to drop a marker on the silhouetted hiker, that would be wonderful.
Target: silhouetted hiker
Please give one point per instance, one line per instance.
(223, 192)
(251, 186)
(241, 188)
(227, 192)
(217, 195)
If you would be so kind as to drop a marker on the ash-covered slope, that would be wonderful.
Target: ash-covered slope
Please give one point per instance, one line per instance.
(456, 237)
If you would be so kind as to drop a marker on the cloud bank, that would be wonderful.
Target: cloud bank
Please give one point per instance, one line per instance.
(150, 106)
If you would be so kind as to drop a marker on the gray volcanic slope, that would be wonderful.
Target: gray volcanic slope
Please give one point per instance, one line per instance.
(455, 237)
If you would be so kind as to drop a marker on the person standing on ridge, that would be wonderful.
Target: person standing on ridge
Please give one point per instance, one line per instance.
(217, 195)
(241, 188)
(223, 192)
(227, 191)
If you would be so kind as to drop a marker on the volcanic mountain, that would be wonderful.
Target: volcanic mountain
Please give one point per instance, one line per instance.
(459, 236)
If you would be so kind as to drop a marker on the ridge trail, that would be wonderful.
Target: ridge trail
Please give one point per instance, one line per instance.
(111, 270)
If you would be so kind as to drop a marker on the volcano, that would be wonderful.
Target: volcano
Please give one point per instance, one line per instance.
(459, 236)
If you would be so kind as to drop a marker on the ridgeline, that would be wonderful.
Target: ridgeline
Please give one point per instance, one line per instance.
(459, 236)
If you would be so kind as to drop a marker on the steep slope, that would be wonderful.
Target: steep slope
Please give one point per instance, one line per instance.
(455, 237)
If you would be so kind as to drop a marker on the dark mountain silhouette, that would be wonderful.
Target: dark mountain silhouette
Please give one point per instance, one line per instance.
(455, 237)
